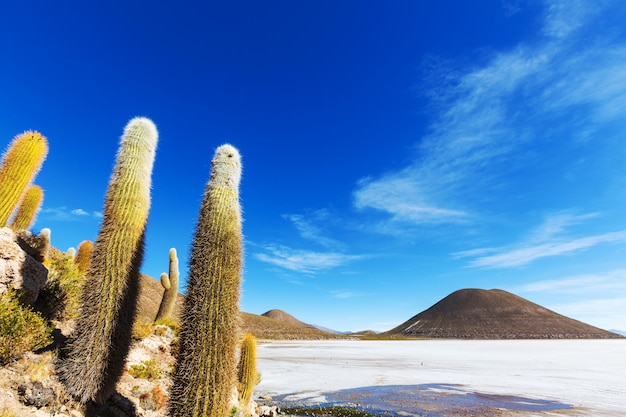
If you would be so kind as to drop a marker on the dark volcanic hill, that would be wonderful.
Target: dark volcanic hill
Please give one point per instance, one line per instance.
(494, 314)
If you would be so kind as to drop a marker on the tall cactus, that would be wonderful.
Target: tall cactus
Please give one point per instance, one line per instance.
(28, 208)
(205, 375)
(246, 370)
(94, 359)
(19, 166)
(83, 256)
(171, 288)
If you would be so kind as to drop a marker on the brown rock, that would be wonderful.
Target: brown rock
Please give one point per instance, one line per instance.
(18, 269)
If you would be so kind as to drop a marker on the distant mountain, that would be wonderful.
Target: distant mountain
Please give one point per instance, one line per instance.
(265, 327)
(276, 325)
(620, 332)
(326, 329)
(284, 316)
(494, 314)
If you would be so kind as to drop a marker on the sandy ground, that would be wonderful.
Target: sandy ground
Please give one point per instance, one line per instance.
(587, 376)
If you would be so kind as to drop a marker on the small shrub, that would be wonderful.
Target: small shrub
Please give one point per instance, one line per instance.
(172, 324)
(21, 329)
(141, 330)
(154, 399)
(149, 370)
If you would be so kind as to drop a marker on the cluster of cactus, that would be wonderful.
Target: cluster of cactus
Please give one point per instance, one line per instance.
(21, 162)
(94, 359)
(170, 286)
(205, 373)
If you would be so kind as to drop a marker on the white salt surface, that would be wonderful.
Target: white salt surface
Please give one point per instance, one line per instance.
(583, 373)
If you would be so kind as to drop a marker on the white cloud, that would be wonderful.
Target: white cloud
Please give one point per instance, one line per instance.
(346, 294)
(304, 261)
(66, 214)
(557, 223)
(604, 312)
(585, 284)
(490, 116)
(312, 226)
(551, 238)
(524, 255)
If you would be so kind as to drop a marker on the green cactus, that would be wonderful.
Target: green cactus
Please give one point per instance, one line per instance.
(170, 284)
(205, 374)
(83, 256)
(28, 208)
(247, 374)
(19, 166)
(94, 360)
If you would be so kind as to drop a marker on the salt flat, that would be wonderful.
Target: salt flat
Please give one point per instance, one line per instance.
(587, 374)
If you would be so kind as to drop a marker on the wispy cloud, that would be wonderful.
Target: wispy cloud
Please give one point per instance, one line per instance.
(66, 214)
(548, 240)
(346, 294)
(313, 226)
(602, 312)
(525, 255)
(555, 224)
(304, 261)
(487, 117)
(586, 284)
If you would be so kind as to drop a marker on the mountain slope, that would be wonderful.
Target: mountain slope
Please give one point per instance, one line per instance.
(277, 324)
(284, 316)
(494, 314)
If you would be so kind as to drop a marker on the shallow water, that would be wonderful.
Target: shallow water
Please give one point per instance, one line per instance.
(432, 400)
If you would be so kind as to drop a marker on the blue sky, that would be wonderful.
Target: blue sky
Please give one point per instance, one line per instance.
(393, 152)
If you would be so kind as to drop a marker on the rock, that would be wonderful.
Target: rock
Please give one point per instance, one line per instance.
(34, 393)
(267, 411)
(18, 269)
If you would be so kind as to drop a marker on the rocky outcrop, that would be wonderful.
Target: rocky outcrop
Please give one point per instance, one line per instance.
(18, 269)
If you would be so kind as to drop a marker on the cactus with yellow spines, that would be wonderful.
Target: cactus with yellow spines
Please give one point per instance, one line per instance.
(21, 162)
(206, 374)
(170, 284)
(28, 208)
(83, 256)
(94, 359)
(247, 374)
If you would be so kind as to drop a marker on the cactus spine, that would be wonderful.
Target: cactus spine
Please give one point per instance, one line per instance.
(205, 375)
(28, 208)
(83, 256)
(171, 288)
(94, 360)
(246, 370)
(20, 164)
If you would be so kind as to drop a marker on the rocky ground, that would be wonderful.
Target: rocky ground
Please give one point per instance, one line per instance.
(29, 386)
